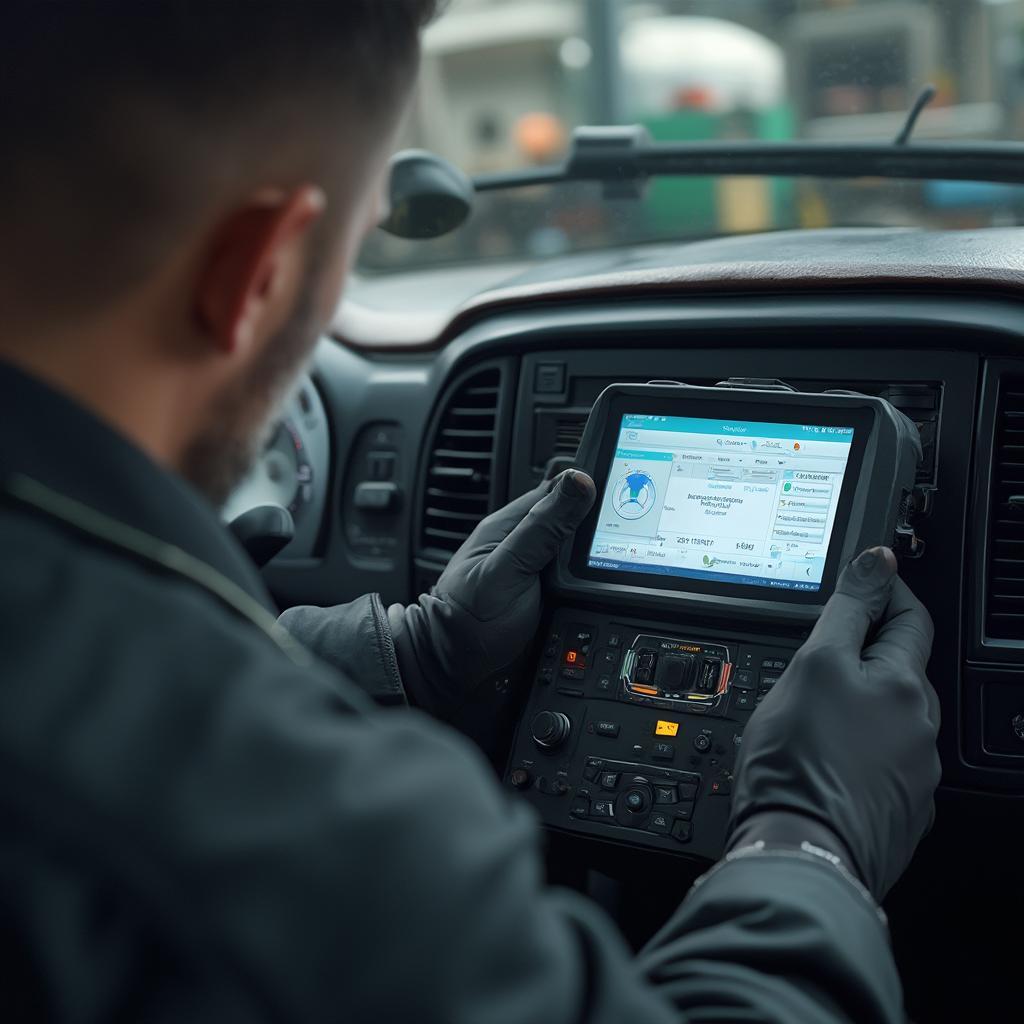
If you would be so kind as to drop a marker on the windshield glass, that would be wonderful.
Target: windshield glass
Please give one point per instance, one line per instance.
(504, 82)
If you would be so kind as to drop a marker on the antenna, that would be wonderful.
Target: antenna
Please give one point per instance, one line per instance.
(924, 97)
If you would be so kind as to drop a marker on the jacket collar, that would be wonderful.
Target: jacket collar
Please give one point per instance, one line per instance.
(52, 439)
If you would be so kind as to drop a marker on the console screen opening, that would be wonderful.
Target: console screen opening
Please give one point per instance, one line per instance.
(728, 501)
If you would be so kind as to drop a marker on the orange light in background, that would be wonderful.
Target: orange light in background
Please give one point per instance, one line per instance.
(540, 137)
(570, 657)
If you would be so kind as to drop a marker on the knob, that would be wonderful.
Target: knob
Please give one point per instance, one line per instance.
(701, 742)
(635, 800)
(550, 729)
(520, 778)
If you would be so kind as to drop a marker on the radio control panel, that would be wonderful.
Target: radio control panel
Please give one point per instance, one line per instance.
(631, 730)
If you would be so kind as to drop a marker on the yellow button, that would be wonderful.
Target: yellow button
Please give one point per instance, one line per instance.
(666, 728)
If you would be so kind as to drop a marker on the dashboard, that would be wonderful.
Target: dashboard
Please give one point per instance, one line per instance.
(416, 437)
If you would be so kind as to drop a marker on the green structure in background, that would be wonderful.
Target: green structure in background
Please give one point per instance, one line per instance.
(688, 206)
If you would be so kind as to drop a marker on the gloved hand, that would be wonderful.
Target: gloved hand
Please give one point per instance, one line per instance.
(485, 608)
(846, 739)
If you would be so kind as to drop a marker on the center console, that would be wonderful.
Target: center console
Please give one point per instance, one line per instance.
(724, 517)
(632, 728)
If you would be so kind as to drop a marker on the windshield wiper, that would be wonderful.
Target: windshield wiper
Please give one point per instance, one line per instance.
(623, 158)
(430, 197)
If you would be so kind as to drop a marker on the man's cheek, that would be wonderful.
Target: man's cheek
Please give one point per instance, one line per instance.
(329, 288)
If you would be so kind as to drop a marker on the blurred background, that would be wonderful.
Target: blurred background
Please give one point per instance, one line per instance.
(504, 82)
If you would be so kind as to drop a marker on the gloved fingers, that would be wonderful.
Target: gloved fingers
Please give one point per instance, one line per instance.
(905, 636)
(904, 643)
(536, 539)
(500, 523)
(860, 599)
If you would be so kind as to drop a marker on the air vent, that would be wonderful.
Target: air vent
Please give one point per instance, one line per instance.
(1004, 619)
(556, 434)
(568, 435)
(460, 464)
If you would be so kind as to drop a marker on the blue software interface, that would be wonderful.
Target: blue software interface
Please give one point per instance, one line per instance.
(722, 500)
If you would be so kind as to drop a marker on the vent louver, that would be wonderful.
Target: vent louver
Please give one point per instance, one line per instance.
(1004, 617)
(568, 434)
(460, 465)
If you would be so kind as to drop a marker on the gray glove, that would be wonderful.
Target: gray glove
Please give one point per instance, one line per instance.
(845, 742)
(485, 608)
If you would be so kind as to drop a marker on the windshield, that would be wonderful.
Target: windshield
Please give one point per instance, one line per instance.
(504, 82)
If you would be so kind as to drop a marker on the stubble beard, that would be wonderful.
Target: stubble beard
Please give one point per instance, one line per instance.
(246, 414)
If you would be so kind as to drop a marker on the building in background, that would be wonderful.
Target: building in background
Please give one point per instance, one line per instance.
(504, 82)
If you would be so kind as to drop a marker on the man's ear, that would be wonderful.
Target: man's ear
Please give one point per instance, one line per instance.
(254, 271)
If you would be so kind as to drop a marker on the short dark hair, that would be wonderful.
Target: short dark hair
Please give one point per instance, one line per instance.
(116, 114)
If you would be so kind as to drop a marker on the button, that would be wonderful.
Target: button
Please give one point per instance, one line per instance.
(381, 465)
(743, 700)
(590, 772)
(572, 673)
(682, 831)
(551, 651)
(545, 676)
(663, 751)
(685, 810)
(609, 659)
(570, 691)
(580, 807)
(665, 794)
(520, 778)
(743, 680)
(379, 496)
(721, 787)
(1002, 714)
(702, 742)
(609, 780)
(549, 378)
(609, 729)
(553, 787)
(659, 822)
(602, 809)
(687, 790)
(583, 637)
(779, 666)
(604, 684)
(635, 801)
(615, 640)
(767, 682)
(662, 728)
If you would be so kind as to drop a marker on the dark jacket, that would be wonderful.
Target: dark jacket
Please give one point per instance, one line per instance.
(203, 823)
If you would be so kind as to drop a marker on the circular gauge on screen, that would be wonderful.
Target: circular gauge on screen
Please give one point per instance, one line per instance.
(634, 495)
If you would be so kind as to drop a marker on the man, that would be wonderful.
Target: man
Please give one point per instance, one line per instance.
(201, 820)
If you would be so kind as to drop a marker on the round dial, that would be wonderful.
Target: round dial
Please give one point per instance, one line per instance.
(282, 475)
(549, 729)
